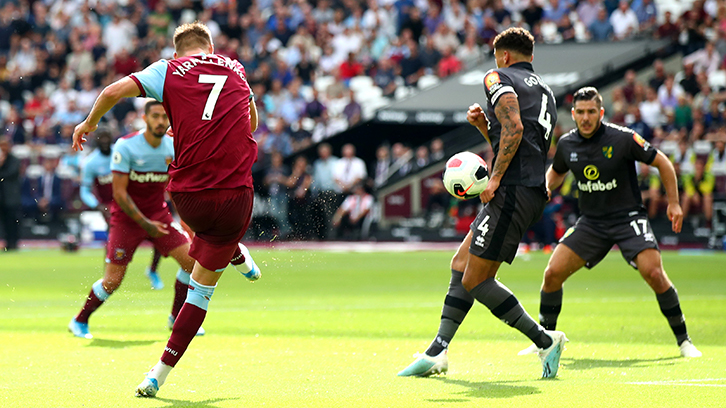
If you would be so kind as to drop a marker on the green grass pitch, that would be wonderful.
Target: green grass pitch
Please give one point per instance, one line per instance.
(323, 329)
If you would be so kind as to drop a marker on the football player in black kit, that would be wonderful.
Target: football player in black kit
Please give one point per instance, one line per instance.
(518, 123)
(602, 158)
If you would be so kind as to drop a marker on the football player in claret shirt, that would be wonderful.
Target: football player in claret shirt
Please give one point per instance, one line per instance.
(212, 115)
(518, 122)
(602, 158)
(139, 212)
(96, 175)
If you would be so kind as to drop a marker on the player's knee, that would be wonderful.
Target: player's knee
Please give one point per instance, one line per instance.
(553, 277)
(653, 274)
(110, 284)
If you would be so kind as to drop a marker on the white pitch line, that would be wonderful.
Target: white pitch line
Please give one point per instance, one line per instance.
(686, 383)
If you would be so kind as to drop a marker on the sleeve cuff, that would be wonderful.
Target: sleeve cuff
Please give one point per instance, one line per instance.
(138, 84)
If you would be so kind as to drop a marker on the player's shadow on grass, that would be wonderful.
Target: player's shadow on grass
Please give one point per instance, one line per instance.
(590, 363)
(119, 344)
(175, 403)
(484, 389)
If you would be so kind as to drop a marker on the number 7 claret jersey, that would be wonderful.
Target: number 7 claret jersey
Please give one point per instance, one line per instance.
(538, 112)
(207, 98)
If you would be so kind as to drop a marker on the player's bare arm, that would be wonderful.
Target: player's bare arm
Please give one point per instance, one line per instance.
(507, 112)
(668, 176)
(109, 97)
(121, 196)
(476, 117)
(253, 116)
(554, 180)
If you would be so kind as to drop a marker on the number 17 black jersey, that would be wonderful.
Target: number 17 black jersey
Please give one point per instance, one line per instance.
(538, 111)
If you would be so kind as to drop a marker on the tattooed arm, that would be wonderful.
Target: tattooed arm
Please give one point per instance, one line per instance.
(507, 112)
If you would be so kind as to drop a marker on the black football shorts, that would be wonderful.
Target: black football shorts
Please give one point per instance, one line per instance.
(592, 239)
(501, 224)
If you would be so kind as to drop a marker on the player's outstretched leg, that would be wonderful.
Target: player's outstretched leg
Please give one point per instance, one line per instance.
(151, 271)
(180, 295)
(243, 262)
(187, 324)
(650, 266)
(456, 305)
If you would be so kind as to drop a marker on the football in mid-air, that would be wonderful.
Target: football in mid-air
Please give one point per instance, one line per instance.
(466, 175)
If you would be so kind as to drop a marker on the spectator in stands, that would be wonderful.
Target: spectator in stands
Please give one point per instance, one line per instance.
(315, 108)
(41, 197)
(382, 165)
(601, 30)
(13, 126)
(587, 11)
(298, 185)
(706, 60)
(668, 29)
(430, 56)
(449, 64)
(532, 15)
(402, 157)
(689, 81)
(554, 10)
(437, 150)
(647, 14)
(628, 88)
(349, 170)
(9, 194)
(718, 164)
(669, 92)
(438, 202)
(278, 140)
(411, 67)
(353, 111)
(713, 118)
(349, 217)
(634, 120)
(414, 23)
(469, 53)
(422, 158)
(683, 113)
(299, 137)
(350, 67)
(624, 21)
(698, 191)
(651, 110)
(276, 177)
(385, 77)
(325, 190)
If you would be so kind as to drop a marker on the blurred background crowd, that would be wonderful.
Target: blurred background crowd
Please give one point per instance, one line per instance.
(318, 68)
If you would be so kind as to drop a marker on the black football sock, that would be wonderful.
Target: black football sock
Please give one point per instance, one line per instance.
(505, 306)
(670, 306)
(550, 305)
(456, 305)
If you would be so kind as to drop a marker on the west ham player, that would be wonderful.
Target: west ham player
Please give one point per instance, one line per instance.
(139, 164)
(209, 104)
(602, 158)
(96, 175)
(520, 116)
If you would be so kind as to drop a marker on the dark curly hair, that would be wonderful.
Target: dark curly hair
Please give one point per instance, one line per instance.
(515, 39)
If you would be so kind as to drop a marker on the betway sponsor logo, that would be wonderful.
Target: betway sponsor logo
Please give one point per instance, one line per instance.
(148, 177)
(598, 185)
(107, 179)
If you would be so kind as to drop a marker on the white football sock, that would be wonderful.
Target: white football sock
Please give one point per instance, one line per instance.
(159, 372)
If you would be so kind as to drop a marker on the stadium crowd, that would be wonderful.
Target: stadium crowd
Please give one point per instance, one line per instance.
(317, 68)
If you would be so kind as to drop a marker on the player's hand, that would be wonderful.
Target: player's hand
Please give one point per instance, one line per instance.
(549, 194)
(156, 229)
(476, 117)
(675, 214)
(488, 192)
(80, 133)
(170, 132)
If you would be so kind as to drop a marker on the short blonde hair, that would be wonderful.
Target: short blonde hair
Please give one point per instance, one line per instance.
(192, 35)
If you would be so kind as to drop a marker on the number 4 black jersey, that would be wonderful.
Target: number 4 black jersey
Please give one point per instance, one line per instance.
(604, 166)
(538, 112)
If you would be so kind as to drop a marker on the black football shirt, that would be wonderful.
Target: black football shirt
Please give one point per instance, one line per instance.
(604, 167)
(538, 112)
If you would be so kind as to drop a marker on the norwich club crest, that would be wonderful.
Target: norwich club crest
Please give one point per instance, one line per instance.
(607, 151)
